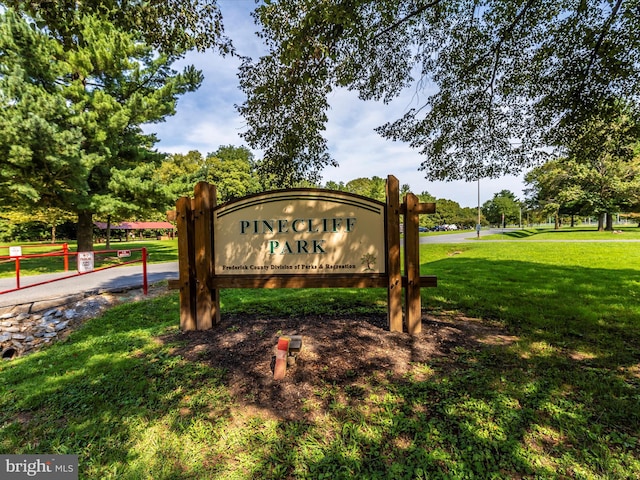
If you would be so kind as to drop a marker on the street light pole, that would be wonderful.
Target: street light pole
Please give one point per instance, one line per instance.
(478, 225)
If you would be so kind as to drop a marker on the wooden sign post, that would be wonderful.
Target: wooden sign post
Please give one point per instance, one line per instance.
(298, 238)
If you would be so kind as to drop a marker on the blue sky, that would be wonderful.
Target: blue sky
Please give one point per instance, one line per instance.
(207, 119)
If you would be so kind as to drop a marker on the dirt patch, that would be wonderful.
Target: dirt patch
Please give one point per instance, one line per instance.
(343, 353)
(348, 355)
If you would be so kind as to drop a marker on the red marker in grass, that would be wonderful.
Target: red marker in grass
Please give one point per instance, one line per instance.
(281, 358)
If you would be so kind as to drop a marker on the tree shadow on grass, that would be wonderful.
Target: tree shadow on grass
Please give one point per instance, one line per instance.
(562, 400)
(479, 413)
(570, 307)
(558, 401)
(90, 394)
(520, 233)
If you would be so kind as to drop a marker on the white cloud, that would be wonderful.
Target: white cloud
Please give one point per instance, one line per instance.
(208, 119)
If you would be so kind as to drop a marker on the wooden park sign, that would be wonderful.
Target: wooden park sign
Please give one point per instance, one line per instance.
(298, 238)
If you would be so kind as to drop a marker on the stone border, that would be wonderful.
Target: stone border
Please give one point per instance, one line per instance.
(28, 327)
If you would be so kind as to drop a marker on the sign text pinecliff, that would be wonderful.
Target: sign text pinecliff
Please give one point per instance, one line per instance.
(299, 232)
(283, 226)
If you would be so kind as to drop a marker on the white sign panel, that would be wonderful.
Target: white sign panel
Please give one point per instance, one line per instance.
(306, 231)
(124, 253)
(85, 262)
(15, 251)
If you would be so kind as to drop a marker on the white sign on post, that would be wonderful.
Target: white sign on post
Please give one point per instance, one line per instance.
(85, 262)
(15, 251)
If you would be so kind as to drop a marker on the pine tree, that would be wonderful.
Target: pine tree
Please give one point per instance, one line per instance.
(71, 115)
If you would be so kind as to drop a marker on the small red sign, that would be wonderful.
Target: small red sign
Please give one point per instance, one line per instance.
(124, 253)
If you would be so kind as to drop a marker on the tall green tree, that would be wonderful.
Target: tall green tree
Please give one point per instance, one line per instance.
(601, 173)
(332, 185)
(373, 187)
(552, 191)
(447, 212)
(179, 172)
(426, 197)
(502, 209)
(511, 77)
(426, 220)
(231, 169)
(172, 27)
(71, 111)
(604, 161)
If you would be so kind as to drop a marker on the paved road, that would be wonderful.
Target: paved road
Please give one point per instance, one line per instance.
(100, 281)
(471, 236)
(119, 278)
(125, 277)
(458, 237)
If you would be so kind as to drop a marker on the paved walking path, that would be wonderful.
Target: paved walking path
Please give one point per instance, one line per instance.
(463, 236)
(112, 279)
(472, 237)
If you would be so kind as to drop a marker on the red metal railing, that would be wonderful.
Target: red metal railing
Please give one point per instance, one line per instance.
(66, 254)
(64, 251)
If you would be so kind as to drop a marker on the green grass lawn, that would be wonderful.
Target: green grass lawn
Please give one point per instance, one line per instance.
(563, 401)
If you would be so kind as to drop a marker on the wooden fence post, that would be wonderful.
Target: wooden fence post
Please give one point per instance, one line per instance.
(214, 292)
(184, 222)
(204, 199)
(413, 307)
(394, 287)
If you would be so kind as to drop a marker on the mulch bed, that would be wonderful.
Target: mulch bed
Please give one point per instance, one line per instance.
(345, 353)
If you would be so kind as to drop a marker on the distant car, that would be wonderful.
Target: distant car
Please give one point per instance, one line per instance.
(423, 229)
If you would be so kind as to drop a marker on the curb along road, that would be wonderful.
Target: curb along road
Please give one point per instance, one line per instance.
(112, 279)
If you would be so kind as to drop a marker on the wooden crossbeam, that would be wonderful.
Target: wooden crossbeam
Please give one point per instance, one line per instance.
(199, 286)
